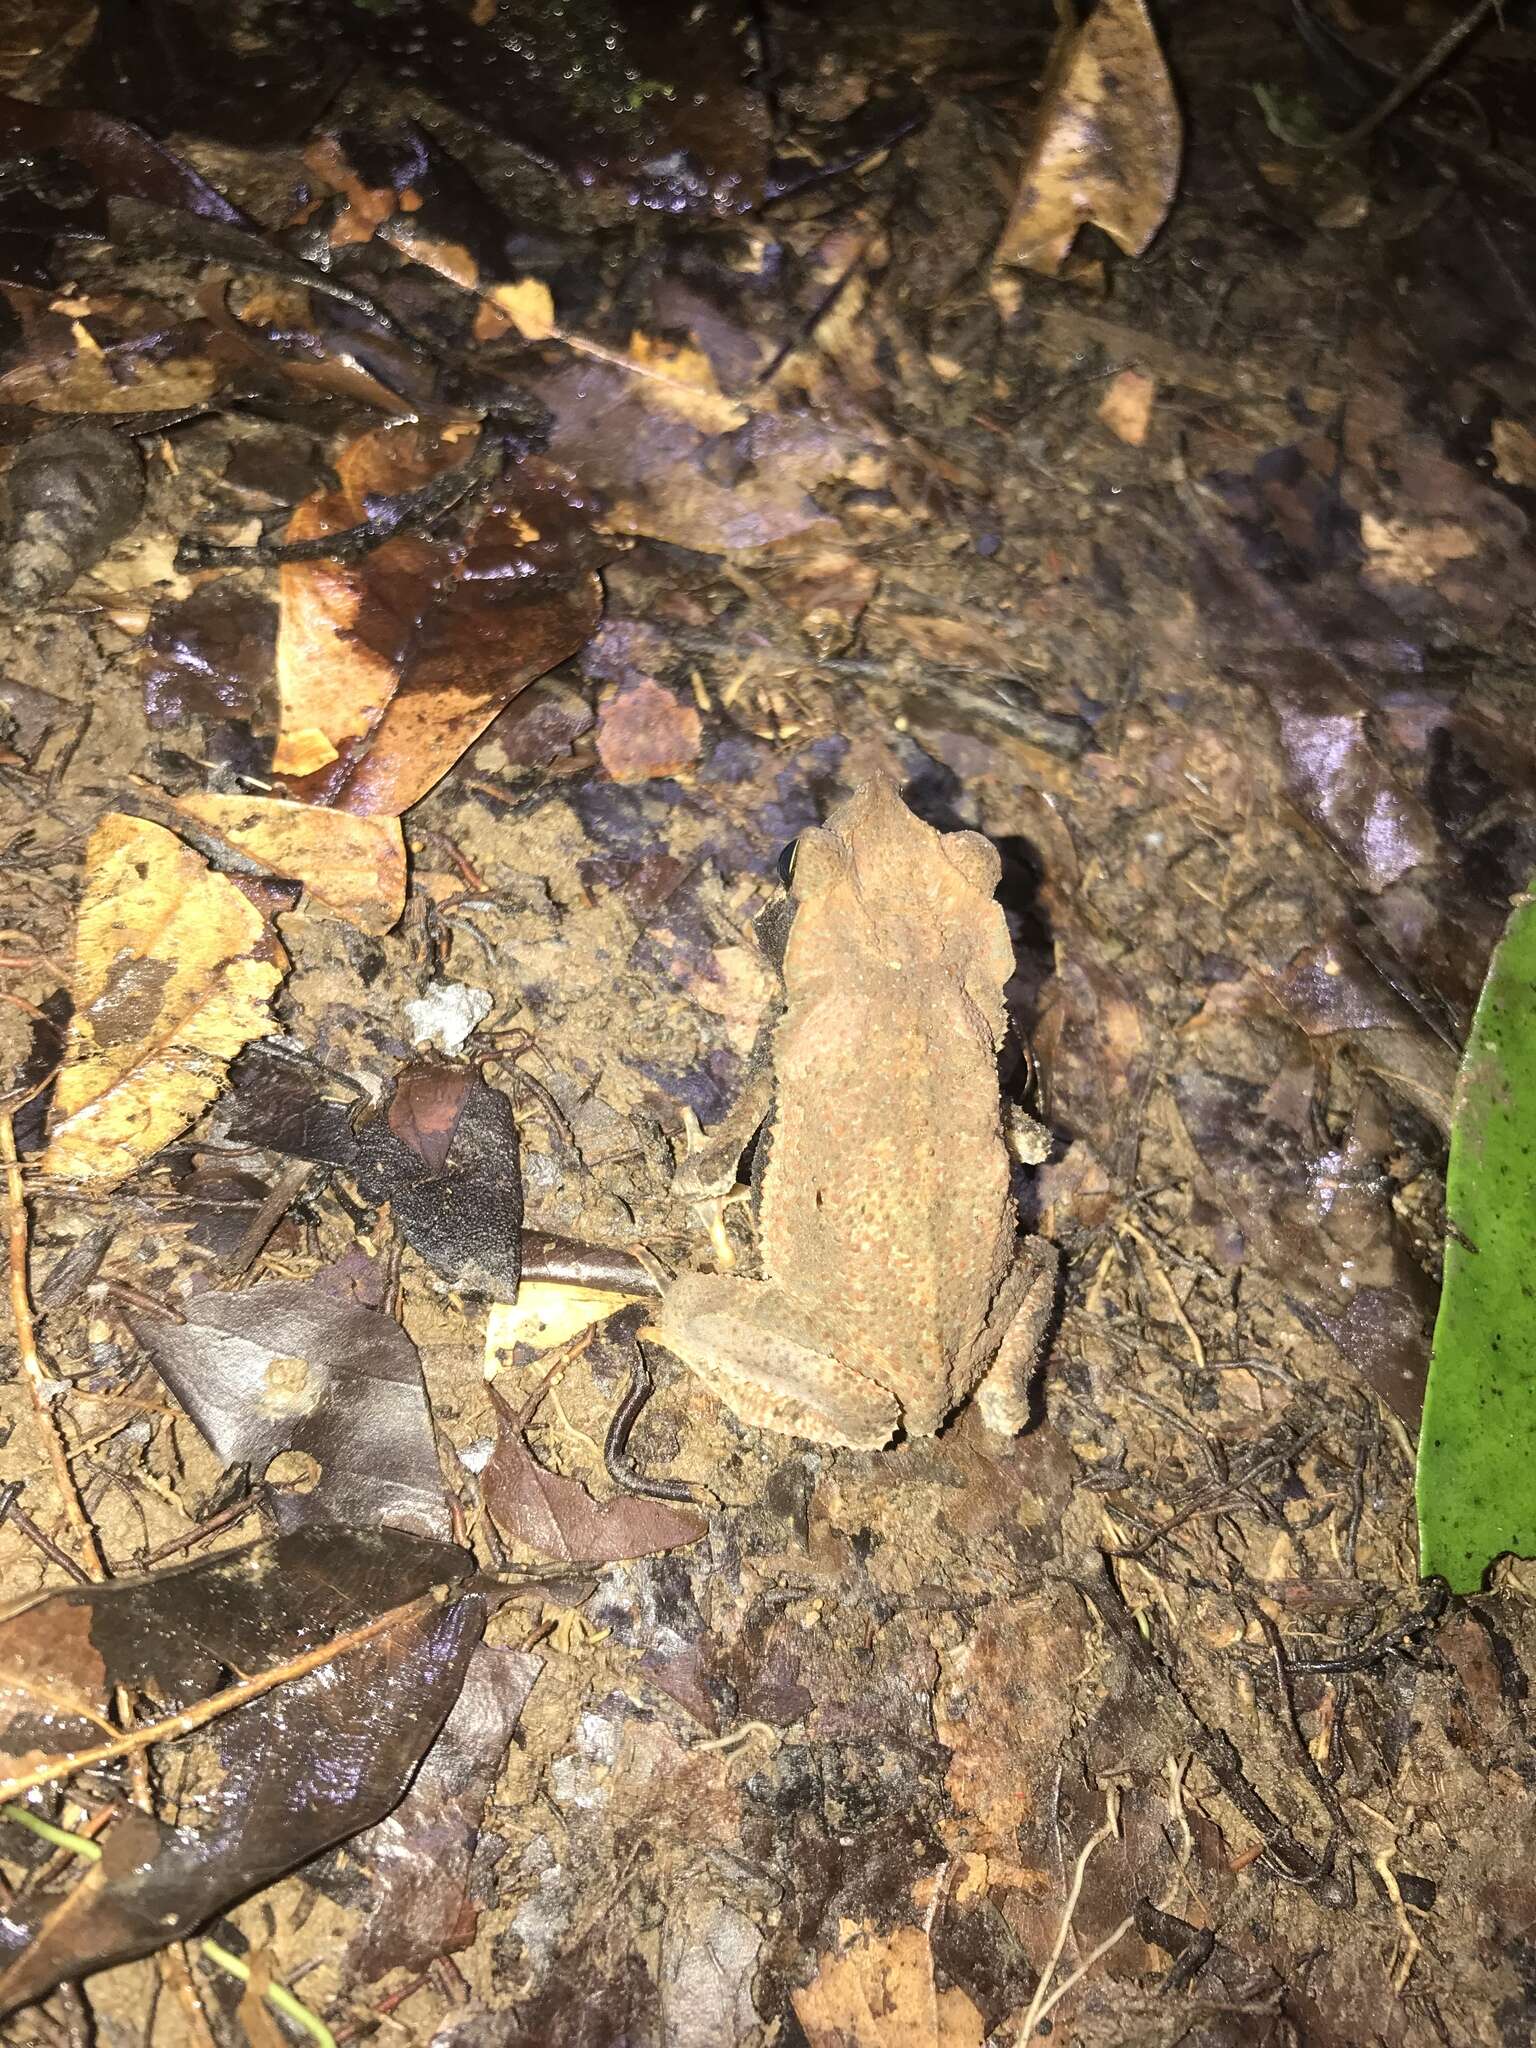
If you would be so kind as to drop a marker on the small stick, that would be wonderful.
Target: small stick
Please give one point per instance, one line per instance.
(11, 1510)
(39, 1385)
(1419, 76)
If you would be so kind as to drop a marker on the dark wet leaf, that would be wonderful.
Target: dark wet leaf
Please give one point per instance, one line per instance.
(643, 96)
(1321, 1223)
(443, 1152)
(211, 655)
(144, 229)
(406, 189)
(1335, 988)
(70, 492)
(45, 1055)
(47, 200)
(375, 370)
(1339, 779)
(553, 1517)
(127, 360)
(1477, 1448)
(667, 473)
(284, 1368)
(410, 1875)
(164, 64)
(268, 1785)
(115, 156)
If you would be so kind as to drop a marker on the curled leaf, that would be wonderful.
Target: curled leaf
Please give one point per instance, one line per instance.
(1107, 145)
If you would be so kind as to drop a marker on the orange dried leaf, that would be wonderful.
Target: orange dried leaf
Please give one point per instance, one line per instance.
(389, 666)
(174, 971)
(1126, 408)
(529, 306)
(879, 1993)
(1107, 145)
(350, 865)
(645, 732)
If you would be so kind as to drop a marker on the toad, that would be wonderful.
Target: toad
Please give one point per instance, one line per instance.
(893, 1282)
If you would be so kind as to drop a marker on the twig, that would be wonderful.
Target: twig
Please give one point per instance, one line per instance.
(11, 1510)
(39, 1385)
(287, 1189)
(1406, 87)
(1152, 1265)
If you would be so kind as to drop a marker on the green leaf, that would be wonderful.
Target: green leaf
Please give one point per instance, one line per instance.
(1477, 1443)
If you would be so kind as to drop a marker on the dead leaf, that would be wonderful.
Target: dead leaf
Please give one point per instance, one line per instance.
(557, 1518)
(664, 477)
(442, 1151)
(412, 1872)
(1107, 144)
(354, 866)
(1126, 408)
(388, 667)
(1514, 452)
(314, 1759)
(174, 970)
(880, 1993)
(211, 655)
(281, 1369)
(645, 732)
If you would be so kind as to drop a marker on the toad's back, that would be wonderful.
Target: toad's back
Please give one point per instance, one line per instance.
(884, 1203)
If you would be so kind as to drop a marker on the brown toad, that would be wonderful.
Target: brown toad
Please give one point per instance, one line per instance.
(894, 1280)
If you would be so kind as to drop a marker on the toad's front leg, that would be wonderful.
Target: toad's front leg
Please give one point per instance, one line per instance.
(754, 1351)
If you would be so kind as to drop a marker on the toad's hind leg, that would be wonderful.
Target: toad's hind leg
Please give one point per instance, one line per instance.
(1021, 1314)
(747, 1343)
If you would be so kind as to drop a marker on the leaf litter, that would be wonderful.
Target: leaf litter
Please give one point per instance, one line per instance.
(559, 481)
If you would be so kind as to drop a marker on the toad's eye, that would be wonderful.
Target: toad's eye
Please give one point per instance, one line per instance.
(787, 863)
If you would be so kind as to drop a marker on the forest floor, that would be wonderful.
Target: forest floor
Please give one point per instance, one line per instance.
(1200, 582)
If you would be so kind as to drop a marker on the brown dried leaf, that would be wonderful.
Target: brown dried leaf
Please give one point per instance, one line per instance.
(557, 1518)
(880, 1993)
(390, 666)
(350, 865)
(1107, 146)
(174, 970)
(645, 732)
